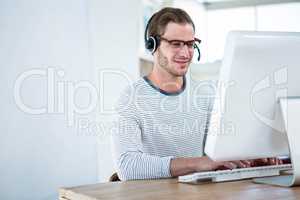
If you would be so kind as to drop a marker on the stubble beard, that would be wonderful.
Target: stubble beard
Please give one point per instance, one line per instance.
(164, 64)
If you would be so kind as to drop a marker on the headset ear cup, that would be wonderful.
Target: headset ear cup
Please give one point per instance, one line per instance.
(151, 44)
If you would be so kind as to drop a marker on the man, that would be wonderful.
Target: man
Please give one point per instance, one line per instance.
(163, 117)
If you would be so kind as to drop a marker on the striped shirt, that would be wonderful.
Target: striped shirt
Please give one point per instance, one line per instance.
(156, 126)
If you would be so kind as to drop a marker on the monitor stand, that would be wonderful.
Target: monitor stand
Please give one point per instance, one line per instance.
(290, 109)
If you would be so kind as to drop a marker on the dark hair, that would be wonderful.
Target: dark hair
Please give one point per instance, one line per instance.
(160, 20)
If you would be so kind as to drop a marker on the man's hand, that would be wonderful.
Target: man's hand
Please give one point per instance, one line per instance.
(207, 164)
(266, 161)
(251, 163)
(183, 166)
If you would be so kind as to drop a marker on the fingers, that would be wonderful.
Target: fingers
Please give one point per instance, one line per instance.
(229, 165)
(248, 163)
(272, 161)
(267, 161)
(275, 161)
(241, 163)
(236, 164)
(260, 162)
(286, 160)
(225, 165)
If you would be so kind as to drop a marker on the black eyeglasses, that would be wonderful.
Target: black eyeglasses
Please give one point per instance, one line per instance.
(178, 44)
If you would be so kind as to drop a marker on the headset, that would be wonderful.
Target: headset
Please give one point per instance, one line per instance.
(153, 42)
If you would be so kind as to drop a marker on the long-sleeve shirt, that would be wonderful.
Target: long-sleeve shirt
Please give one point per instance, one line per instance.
(156, 126)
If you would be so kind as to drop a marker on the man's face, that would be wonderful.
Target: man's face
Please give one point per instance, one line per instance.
(172, 55)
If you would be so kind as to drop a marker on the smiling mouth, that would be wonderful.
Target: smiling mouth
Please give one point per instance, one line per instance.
(182, 61)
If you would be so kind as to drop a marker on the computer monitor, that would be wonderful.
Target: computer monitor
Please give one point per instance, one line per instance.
(258, 69)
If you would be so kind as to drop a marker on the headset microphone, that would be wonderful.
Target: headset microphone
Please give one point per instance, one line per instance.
(199, 54)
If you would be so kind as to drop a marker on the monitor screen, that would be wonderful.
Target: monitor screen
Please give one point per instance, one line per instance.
(258, 68)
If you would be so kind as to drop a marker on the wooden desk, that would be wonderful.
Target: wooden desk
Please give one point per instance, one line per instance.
(170, 189)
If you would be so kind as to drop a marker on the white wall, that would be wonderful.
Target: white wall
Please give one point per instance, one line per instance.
(115, 47)
(220, 22)
(273, 17)
(279, 17)
(41, 152)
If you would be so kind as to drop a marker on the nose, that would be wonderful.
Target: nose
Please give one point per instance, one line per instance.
(185, 51)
